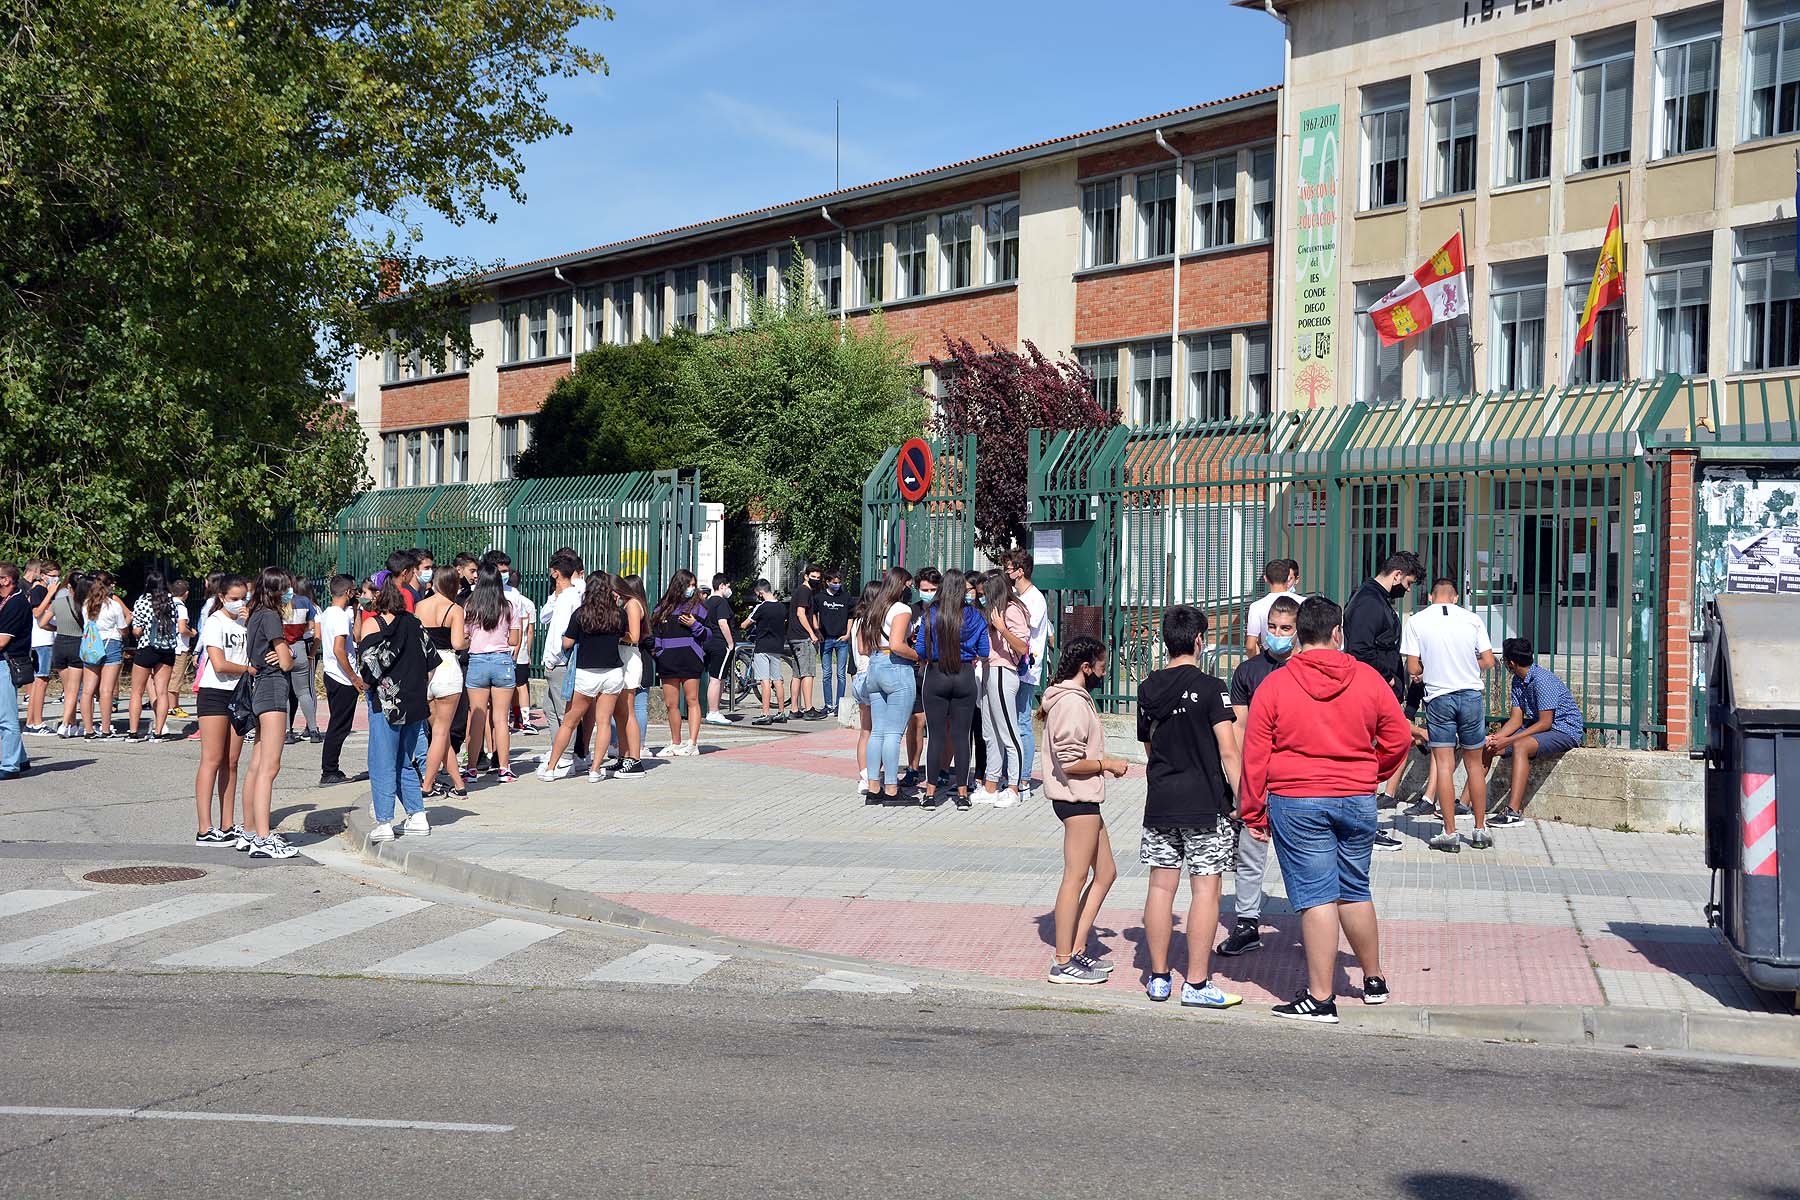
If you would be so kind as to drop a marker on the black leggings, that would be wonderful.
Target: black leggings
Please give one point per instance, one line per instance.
(950, 718)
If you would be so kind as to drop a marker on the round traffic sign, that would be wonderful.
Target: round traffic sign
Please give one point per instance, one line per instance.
(914, 467)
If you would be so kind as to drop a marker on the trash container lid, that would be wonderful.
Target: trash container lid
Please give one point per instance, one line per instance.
(1762, 636)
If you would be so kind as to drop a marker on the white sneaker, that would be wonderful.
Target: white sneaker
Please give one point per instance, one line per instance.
(551, 774)
(274, 846)
(1006, 799)
(416, 825)
(672, 750)
(715, 717)
(692, 749)
(983, 796)
(1025, 795)
(383, 832)
(596, 776)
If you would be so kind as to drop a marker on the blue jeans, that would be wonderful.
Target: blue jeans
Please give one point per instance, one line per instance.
(1026, 701)
(396, 765)
(892, 686)
(1323, 844)
(12, 746)
(1456, 719)
(834, 663)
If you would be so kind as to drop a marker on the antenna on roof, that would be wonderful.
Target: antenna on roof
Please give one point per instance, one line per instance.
(837, 147)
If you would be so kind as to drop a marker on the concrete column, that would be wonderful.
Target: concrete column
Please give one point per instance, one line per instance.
(1049, 243)
(484, 394)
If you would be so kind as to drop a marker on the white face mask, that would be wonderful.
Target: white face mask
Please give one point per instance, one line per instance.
(234, 607)
(425, 574)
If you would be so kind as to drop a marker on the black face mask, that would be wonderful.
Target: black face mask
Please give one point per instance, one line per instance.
(1397, 591)
(1091, 682)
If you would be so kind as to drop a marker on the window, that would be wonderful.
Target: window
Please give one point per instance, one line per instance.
(458, 467)
(1768, 299)
(754, 284)
(909, 259)
(1000, 231)
(435, 440)
(718, 294)
(1602, 120)
(1209, 377)
(415, 365)
(390, 460)
(1527, 87)
(956, 250)
(415, 458)
(1516, 337)
(515, 438)
(537, 328)
(509, 333)
(1152, 383)
(1679, 275)
(390, 365)
(1384, 115)
(1602, 360)
(562, 313)
(1257, 389)
(828, 271)
(1453, 100)
(622, 297)
(459, 361)
(1100, 223)
(1444, 366)
(1262, 194)
(687, 298)
(784, 265)
(866, 248)
(1377, 366)
(1155, 195)
(1687, 81)
(1771, 68)
(593, 317)
(653, 308)
(1103, 367)
(1215, 201)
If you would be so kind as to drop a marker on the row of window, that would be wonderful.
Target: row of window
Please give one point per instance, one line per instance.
(1215, 186)
(1678, 297)
(1684, 119)
(398, 365)
(1150, 368)
(424, 457)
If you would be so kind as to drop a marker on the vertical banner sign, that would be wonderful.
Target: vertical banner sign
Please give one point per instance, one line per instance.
(1316, 267)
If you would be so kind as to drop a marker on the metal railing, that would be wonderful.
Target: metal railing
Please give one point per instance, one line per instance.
(938, 530)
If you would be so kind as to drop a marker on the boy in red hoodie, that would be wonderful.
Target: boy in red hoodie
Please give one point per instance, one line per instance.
(1322, 735)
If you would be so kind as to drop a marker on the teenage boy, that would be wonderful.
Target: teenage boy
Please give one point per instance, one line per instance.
(719, 647)
(767, 626)
(1282, 575)
(803, 641)
(1372, 636)
(422, 578)
(1447, 649)
(564, 599)
(185, 637)
(343, 683)
(1556, 728)
(833, 609)
(1017, 564)
(1190, 742)
(1280, 624)
(403, 569)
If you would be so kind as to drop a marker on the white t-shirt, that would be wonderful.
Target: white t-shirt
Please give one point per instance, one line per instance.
(39, 635)
(228, 636)
(557, 611)
(112, 620)
(1448, 640)
(524, 614)
(1256, 624)
(887, 625)
(857, 654)
(1037, 610)
(334, 622)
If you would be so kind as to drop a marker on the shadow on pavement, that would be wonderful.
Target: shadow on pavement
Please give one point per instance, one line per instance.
(1447, 1186)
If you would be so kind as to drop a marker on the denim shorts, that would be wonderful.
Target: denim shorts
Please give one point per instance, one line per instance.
(805, 657)
(1551, 741)
(1323, 844)
(41, 661)
(491, 670)
(112, 656)
(1456, 719)
(766, 667)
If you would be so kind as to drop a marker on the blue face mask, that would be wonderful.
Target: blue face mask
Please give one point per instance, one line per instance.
(690, 594)
(1279, 644)
(287, 597)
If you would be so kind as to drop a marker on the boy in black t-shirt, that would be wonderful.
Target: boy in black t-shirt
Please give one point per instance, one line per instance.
(719, 647)
(1187, 728)
(767, 626)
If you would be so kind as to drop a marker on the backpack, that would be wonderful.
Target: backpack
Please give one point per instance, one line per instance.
(93, 649)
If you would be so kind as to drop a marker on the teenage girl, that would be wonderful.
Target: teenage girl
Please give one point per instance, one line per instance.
(222, 662)
(678, 626)
(157, 621)
(111, 619)
(859, 655)
(447, 627)
(593, 636)
(630, 720)
(493, 640)
(270, 657)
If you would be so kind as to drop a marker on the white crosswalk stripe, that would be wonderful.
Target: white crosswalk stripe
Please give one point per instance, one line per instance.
(31, 899)
(672, 965)
(60, 943)
(856, 981)
(468, 951)
(288, 937)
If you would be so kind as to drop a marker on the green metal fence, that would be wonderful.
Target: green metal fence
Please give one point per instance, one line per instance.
(645, 523)
(1542, 506)
(937, 531)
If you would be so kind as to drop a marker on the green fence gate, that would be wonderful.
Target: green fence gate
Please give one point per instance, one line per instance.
(937, 531)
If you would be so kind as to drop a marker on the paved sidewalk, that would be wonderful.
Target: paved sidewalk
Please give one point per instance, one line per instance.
(764, 838)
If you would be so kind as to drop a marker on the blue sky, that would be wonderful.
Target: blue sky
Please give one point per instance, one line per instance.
(714, 108)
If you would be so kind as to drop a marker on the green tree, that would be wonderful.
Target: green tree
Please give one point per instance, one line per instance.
(201, 204)
(619, 411)
(787, 416)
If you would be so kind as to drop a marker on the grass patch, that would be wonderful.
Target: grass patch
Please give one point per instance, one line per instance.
(1623, 827)
(1078, 1009)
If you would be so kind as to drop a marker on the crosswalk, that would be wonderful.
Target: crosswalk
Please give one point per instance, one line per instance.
(211, 926)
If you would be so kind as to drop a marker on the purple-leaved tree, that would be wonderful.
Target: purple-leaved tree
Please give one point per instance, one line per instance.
(1000, 396)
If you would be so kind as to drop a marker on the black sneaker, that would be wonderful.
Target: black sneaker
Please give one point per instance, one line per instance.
(780, 719)
(214, 837)
(333, 778)
(765, 719)
(1245, 936)
(963, 802)
(1304, 1008)
(1385, 840)
(1375, 990)
(1463, 810)
(1505, 816)
(1421, 808)
(630, 768)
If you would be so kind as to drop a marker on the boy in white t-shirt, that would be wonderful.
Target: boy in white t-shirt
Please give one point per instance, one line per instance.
(343, 683)
(1447, 647)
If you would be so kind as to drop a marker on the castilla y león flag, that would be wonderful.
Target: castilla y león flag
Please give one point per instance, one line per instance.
(1435, 292)
(1609, 280)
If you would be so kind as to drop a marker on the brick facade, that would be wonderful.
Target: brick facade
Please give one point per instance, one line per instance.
(993, 314)
(1227, 287)
(524, 388)
(414, 403)
(1679, 515)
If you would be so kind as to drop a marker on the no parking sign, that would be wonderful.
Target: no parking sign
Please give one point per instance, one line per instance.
(914, 469)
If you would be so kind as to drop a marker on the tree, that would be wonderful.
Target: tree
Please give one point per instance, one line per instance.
(1000, 396)
(202, 206)
(788, 415)
(620, 411)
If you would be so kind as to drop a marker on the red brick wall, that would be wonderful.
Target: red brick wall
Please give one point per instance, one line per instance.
(992, 314)
(523, 389)
(1227, 288)
(425, 402)
(1678, 597)
(1257, 128)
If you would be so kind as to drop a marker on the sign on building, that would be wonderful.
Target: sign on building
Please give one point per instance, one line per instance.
(1314, 341)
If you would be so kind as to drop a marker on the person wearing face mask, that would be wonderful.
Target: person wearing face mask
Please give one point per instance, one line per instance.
(803, 642)
(926, 588)
(427, 571)
(43, 642)
(1372, 636)
(271, 659)
(1278, 637)
(718, 645)
(223, 662)
(299, 624)
(833, 626)
(1321, 735)
(678, 633)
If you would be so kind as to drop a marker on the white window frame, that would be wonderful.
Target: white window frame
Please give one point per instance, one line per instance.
(435, 444)
(1152, 382)
(457, 468)
(390, 460)
(911, 258)
(1453, 123)
(685, 305)
(390, 365)
(624, 296)
(1000, 240)
(515, 439)
(1518, 322)
(655, 308)
(1443, 345)
(1606, 67)
(1765, 328)
(1684, 48)
(412, 461)
(1586, 366)
(1215, 202)
(956, 249)
(593, 317)
(1384, 120)
(1372, 358)
(753, 282)
(1100, 213)
(1522, 143)
(510, 342)
(868, 259)
(1102, 367)
(1154, 197)
(537, 328)
(1682, 270)
(1209, 377)
(1262, 194)
(562, 317)
(716, 311)
(1258, 396)
(1779, 24)
(828, 270)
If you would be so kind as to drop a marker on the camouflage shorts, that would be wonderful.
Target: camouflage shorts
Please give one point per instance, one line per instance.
(1205, 851)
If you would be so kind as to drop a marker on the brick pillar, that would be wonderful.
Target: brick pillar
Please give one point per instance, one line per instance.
(1678, 595)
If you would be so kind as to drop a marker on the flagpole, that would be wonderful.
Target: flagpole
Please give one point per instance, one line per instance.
(1624, 302)
(1462, 230)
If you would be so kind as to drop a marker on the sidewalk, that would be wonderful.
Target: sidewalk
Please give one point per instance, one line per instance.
(764, 838)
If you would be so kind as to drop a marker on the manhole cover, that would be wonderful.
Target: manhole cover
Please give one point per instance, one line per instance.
(144, 875)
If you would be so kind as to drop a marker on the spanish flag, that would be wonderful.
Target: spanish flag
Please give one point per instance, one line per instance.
(1609, 281)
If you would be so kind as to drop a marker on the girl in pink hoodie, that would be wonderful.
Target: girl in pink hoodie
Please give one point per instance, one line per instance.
(1075, 771)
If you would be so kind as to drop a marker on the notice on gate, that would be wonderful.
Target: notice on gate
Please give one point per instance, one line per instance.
(1750, 532)
(1315, 331)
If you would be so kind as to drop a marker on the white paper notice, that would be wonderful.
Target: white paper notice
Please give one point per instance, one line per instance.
(1047, 547)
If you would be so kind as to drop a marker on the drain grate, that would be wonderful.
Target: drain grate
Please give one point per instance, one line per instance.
(144, 875)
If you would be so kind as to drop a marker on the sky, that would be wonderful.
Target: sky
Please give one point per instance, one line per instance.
(712, 108)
